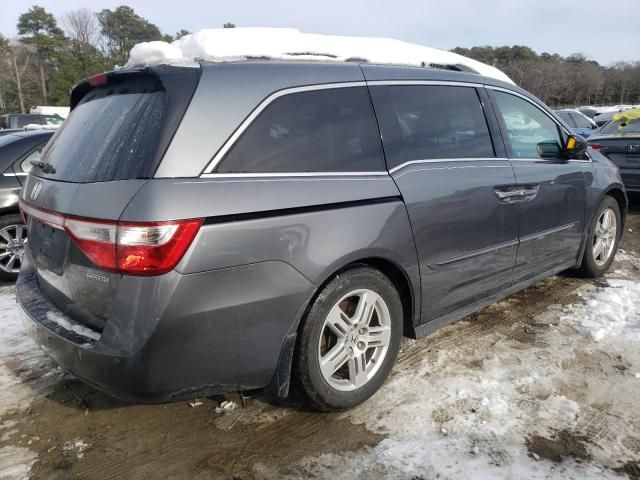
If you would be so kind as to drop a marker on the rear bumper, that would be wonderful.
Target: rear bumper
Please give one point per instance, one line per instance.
(219, 331)
(630, 179)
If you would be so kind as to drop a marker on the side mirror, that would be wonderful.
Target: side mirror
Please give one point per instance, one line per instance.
(575, 147)
(549, 149)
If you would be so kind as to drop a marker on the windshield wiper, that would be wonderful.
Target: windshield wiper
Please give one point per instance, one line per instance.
(45, 167)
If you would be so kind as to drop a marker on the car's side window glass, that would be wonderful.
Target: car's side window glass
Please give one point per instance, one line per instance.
(329, 130)
(527, 125)
(441, 122)
(580, 121)
(567, 118)
(27, 163)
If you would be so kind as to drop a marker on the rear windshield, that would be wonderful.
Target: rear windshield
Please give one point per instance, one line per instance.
(111, 135)
(620, 126)
(24, 120)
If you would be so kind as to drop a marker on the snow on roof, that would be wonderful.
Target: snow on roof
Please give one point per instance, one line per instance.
(229, 44)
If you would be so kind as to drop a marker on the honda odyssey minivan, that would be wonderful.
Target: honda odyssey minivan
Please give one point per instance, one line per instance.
(261, 224)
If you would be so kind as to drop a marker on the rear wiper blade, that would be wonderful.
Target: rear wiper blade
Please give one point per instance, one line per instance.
(44, 166)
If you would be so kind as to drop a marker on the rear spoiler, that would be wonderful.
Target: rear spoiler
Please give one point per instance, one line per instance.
(167, 76)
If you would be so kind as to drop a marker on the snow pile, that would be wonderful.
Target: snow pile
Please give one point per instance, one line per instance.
(229, 44)
(610, 312)
(72, 326)
(77, 446)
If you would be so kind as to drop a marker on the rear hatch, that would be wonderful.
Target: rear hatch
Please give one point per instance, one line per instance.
(112, 142)
(624, 151)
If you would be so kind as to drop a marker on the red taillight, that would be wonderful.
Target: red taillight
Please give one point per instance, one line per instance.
(144, 248)
(97, 80)
(596, 146)
(154, 248)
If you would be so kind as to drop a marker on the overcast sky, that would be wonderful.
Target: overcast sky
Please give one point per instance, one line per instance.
(603, 30)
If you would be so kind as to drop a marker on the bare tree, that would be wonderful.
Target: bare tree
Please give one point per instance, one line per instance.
(82, 27)
(16, 59)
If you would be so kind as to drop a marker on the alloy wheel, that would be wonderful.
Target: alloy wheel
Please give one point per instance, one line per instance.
(13, 239)
(354, 340)
(604, 237)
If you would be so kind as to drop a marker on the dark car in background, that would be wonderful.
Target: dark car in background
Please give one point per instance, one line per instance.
(620, 141)
(18, 151)
(579, 123)
(239, 225)
(21, 120)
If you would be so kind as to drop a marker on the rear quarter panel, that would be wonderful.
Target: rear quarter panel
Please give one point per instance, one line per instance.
(317, 225)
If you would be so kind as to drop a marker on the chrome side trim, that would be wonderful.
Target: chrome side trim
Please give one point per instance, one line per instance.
(532, 159)
(293, 174)
(443, 160)
(544, 233)
(264, 104)
(19, 174)
(475, 253)
(425, 82)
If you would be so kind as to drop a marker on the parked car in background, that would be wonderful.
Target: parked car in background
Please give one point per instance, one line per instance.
(21, 120)
(588, 111)
(604, 118)
(299, 229)
(48, 110)
(579, 123)
(620, 141)
(18, 151)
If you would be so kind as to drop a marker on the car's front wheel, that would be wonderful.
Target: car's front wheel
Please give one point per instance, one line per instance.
(349, 340)
(603, 237)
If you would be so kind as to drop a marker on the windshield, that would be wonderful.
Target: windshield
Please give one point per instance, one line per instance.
(620, 126)
(111, 135)
(54, 120)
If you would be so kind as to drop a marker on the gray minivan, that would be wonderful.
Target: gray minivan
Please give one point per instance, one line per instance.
(256, 224)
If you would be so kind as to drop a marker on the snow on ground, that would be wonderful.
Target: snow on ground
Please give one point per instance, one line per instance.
(612, 311)
(228, 44)
(515, 405)
(25, 373)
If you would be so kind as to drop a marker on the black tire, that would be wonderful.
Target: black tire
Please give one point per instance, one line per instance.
(589, 267)
(307, 375)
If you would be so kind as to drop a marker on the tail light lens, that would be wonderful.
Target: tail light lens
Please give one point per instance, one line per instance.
(144, 248)
(596, 146)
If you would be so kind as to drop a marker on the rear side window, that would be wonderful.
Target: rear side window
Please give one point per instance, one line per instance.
(24, 120)
(330, 130)
(567, 118)
(27, 163)
(112, 134)
(580, 121)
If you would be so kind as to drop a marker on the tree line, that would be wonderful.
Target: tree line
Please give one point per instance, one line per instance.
(563, 81)
(51, 54)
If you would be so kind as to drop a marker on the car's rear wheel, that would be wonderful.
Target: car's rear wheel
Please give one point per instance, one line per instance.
(349, 339)
(602, 242)
(13, 238)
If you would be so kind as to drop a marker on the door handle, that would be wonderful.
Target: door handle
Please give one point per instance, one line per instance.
(509, 194)
(521, 194)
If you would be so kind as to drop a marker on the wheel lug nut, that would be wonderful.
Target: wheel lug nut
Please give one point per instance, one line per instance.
(350, 351)
(361, 345)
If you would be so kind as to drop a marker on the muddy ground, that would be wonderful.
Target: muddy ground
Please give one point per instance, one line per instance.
(65, 429)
